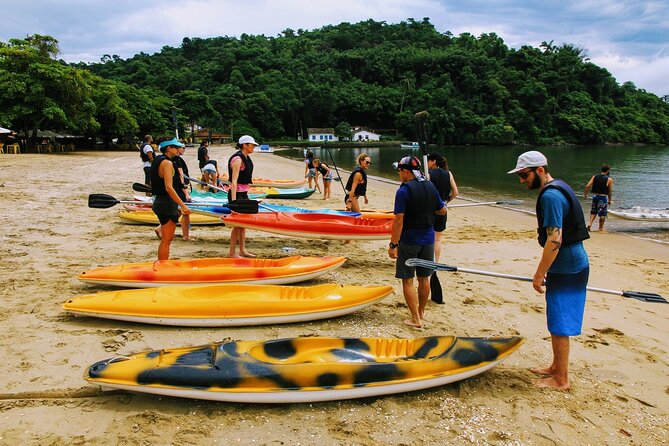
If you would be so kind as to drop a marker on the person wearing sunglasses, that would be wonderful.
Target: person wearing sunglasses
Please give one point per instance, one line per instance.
(356, 186)
(417, 202)
(563, 268)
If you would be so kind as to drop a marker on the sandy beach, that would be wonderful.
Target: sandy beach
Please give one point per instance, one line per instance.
(619, 367)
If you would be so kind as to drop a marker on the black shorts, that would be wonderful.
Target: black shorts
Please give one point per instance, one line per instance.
(440, 222)
(147, 176)
(165, 209)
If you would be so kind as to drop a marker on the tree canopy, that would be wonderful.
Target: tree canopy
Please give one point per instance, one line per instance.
(477, 90)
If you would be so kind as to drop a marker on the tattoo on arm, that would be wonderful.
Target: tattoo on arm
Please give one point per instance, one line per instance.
(556, 233)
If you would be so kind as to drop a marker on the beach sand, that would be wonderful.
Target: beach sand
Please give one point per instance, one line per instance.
(619, 367)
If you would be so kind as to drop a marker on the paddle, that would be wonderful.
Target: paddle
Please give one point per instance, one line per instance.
(203, 183)
(139, 187)
(644, 297)
(104, 201)
(338, 179)
(223, 190)
(504, 202)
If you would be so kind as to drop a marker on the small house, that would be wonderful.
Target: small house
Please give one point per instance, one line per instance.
(364, 134)
(321, 135)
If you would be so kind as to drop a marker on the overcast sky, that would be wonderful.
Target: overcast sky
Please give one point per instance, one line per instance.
(630, 38)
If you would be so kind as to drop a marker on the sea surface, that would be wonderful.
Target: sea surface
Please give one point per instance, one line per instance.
(640, 174)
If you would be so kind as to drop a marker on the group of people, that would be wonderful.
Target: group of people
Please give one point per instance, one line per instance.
(420, 210)
(167, 175)
(312, 168)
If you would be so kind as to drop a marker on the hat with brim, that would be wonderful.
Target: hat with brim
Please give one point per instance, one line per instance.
(246, 139)
(530, 159)
(172, 142)
(412, 164)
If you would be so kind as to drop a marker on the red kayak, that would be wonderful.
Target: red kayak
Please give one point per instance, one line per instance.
(312, 225)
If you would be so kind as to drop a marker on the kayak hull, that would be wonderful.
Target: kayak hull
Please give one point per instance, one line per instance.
(211, 271)
(302, 370)
(658, 217)
(313, 226)
(227, 305)
(147, 217)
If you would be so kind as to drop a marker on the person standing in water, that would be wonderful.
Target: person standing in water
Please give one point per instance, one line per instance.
(602, 189)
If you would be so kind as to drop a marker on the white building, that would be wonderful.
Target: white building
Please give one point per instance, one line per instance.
(321, 135)
(363, 134)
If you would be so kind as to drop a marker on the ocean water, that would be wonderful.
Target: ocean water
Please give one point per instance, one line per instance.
(640, 174)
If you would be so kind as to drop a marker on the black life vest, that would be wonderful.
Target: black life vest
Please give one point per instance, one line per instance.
(361, 188)
(419, 213)
(573, 222)
(143, 155)
(600, 184)
(157, 183)
(246, 175)
(441, 178)
(321, 169)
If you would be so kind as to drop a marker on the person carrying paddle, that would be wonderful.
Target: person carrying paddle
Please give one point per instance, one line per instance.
(417, 202)
(240, 172)
(166, 203)
(564, 267)
(444, 181)
(356, 186)
(602, 189)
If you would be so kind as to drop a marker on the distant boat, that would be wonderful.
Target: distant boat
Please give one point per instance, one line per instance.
(264, 148)
(410, 145)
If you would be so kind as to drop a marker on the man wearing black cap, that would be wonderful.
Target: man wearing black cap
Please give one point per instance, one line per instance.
(166, 203)
(417, 202)
(564, 267)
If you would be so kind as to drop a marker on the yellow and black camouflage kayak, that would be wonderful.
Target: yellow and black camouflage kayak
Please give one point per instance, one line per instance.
(303, 369)
(227, 305)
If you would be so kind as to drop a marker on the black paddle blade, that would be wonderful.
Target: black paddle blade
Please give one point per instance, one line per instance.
(139, 187)
(645, 297)
(436, 293)
(101, 201)
(243, 206)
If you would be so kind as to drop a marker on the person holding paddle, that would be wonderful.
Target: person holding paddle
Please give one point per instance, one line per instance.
(164, 182)
(564, 267)
(417, 202)
(240, 172)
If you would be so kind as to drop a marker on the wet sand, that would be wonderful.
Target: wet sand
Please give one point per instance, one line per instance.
(619, 369)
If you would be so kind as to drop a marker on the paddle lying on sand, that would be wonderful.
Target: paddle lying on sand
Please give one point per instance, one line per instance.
(505, 202)
(104, 201)
(644, 297)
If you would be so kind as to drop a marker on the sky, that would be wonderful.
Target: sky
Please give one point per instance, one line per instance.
(630, 38)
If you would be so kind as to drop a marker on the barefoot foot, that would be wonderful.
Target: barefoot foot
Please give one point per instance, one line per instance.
(550, 383)
(412, 323)
(547, 371)
(247, 254)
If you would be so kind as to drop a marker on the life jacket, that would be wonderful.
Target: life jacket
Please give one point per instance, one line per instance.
(361, 188)
(573, 222)
(321, 169)
(144, 156)
(599, 185)
(245, 174)
(441, 178)
(420, 209)
(157, 183)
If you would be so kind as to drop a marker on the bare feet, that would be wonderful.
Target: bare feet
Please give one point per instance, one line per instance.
(247, 254)
(412, 323)
(550, 383)
(189, 238)
(546, 371)
(235, 256)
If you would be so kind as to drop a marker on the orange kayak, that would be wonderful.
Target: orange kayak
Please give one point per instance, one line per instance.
(212, 271)
(282, 184)
(314, 226)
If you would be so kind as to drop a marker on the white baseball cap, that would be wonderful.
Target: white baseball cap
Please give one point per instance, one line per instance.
(246, 139)
(530, 159)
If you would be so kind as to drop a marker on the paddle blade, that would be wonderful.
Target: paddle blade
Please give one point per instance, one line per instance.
(430, 264)
(243, 206)
(645, 297)
(436, 293)
(139, 187)
(101, 201)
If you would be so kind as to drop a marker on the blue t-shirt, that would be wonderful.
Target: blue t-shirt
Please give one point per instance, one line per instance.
(415, 236)
(571, 259)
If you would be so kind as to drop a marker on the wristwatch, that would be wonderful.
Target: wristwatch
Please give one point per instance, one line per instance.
(392, 245)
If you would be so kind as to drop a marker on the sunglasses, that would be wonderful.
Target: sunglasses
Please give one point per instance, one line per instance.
(367, 162)
(524, 175)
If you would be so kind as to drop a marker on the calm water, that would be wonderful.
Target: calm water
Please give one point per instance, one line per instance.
(641, 174)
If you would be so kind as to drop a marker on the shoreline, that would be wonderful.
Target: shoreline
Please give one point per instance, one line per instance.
(618, 367)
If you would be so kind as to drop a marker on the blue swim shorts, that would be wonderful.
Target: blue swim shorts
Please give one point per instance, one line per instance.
(565, 302)
(600, 205)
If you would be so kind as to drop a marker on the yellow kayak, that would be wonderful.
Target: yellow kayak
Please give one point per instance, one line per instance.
(147, 217)
(299, 370)
(227, 305)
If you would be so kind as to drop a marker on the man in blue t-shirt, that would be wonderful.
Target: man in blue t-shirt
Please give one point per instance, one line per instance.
(564, 266)
(417, 201)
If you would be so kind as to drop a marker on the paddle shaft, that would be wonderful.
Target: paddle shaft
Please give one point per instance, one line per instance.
(421, 134)
(203, 183)
(485, 203)
(336, 170)
(646, 297)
